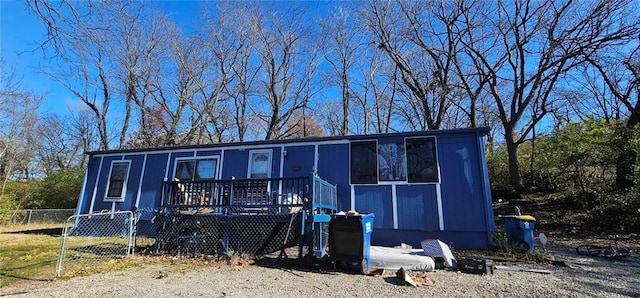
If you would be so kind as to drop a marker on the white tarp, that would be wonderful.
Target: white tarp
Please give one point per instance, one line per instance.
(394, 258)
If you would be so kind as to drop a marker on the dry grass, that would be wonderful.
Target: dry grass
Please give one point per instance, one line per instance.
(27, 256)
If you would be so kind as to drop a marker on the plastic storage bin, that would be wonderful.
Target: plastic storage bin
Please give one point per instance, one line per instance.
(519, 229)
(350, 239)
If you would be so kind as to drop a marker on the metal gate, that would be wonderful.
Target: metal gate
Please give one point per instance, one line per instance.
(92, 242)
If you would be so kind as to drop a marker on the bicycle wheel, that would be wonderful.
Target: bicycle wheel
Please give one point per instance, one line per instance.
(589, 250)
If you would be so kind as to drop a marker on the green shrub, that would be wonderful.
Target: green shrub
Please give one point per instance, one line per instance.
(59, 190)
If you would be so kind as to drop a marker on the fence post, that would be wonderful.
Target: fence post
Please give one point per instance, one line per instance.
(62, 248)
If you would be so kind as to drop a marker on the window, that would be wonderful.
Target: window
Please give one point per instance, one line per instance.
(259, 164)
(196, 169)
(422, 162)
(117, 180)
(364, 163)
(392, 162)
(412, 160)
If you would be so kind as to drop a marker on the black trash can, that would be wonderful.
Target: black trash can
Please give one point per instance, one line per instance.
(350, 239)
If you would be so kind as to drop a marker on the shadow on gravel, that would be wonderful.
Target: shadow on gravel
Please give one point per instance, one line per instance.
(593, 275)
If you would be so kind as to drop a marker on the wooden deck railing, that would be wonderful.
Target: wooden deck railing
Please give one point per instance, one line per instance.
(239, 195)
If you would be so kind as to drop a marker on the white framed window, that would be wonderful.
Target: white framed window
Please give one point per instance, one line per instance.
(194, 169)
(259, 164)
(118, 175)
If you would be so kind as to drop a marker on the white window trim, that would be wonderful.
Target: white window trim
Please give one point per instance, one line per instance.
(269, 152)
(121, 198)
(435, 147)
(178, 159)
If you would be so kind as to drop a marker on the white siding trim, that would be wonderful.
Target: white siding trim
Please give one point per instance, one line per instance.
(220, 165)
(166, 168)
(281, 170)
(144, 166)
(353, 197)
(394, 204)
(440, 212)
(82, 191)
(230, 147)
(95, 187)
(316, 156)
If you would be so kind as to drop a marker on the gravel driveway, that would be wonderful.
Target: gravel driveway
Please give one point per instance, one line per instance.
(586, 277)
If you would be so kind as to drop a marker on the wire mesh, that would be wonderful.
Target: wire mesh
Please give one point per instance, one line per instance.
(255, 235)
(95, 241)
(34, 216)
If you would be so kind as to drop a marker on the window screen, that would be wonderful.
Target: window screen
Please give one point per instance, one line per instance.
(422, 163)
(392, 162)
(364, 163)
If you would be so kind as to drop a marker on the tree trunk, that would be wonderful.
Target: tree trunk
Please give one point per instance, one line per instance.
(626, 161)
(514, 168)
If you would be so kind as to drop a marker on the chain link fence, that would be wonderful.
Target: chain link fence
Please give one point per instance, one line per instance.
(253, 235)
(34, 216)
(95, 241)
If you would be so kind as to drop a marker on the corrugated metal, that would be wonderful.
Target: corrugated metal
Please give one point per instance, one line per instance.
(376, 199)
(417, 207)
(462, 194)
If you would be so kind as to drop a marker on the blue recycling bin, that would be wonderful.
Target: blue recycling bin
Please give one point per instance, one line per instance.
(519, 229)
(350, 240)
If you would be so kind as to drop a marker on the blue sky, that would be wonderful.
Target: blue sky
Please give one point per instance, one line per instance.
(21, 32)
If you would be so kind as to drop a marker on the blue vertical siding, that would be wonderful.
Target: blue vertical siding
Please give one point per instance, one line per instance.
(103, 179)
(462, 193)
(208, 153)
(299, 161)
(92, 175)
(275, 161)
(333, 166)
(417, 207)
(235, 164)
(133, 183)
(154, 173)
(376, 199)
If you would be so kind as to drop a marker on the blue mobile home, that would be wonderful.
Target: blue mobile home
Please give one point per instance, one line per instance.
(426, 184)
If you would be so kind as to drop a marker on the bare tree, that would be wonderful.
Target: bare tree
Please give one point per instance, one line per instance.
(411, 37)
(619, 70)
(343, 47)
(96, 58)
(533, 44)
(18, 118)
(287, 53)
